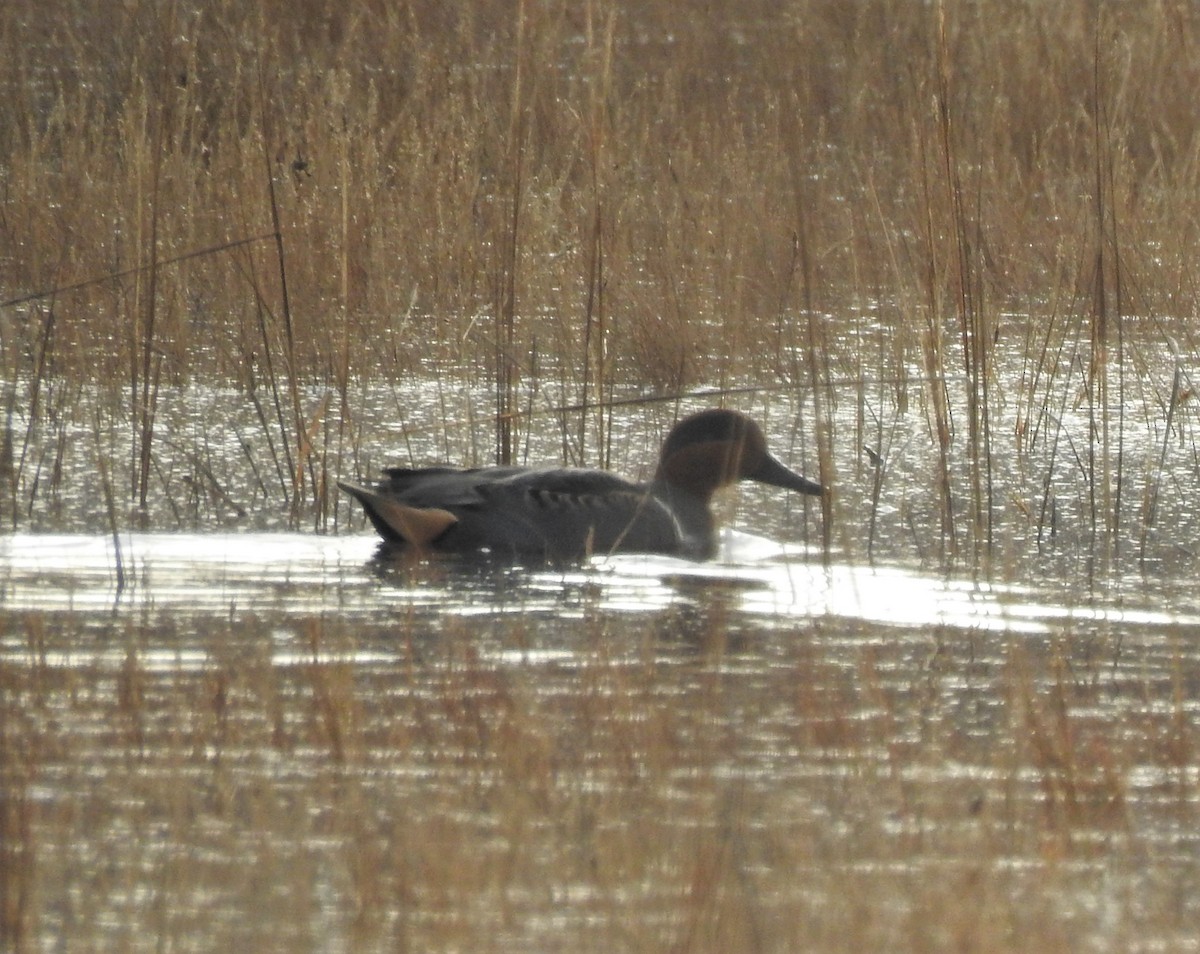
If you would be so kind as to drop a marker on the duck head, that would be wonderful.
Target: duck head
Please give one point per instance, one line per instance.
(715, 448)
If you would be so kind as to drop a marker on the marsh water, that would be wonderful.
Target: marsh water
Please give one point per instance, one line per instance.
(236, 736)
(942, 252)
(290, 741)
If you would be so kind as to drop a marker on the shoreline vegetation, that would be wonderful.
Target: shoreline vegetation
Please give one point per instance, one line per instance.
(953, 241)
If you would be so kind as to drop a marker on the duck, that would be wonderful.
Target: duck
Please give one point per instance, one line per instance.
(567, 513)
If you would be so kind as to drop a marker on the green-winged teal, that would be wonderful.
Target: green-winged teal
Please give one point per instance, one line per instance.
(563, 513)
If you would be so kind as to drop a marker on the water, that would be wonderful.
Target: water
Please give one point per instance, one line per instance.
(295, 574)
(227, 736)
(279, 741)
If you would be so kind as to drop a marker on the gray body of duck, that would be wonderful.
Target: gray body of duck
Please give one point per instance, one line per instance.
(566, 513)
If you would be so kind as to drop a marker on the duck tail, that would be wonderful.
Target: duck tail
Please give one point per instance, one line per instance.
(398, 523)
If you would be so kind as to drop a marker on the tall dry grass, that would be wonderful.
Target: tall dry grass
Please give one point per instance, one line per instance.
(966, 215)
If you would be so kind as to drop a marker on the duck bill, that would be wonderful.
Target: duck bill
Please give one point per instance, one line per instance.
(772, 472)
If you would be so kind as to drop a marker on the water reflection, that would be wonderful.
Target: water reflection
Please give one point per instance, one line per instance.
(319, 741)
(294, 573)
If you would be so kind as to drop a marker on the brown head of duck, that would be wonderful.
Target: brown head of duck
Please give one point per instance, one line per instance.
(706, 452)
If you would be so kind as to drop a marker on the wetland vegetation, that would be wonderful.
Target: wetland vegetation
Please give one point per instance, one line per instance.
(943, 251)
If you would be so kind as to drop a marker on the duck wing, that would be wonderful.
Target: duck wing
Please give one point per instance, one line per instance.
(443, 486)
(560, 513)
(566, 513)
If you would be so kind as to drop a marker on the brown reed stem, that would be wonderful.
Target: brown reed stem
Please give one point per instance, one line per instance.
(1150, 517)
(504, 337)
(595, 327)
(8, 473)
(972, 318)
(1104, 515)
(147, 364)
(289, 355)
(110, 503)
(41, 370)
(932, 351)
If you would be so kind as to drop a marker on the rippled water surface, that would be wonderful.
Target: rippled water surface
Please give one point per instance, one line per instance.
(293, 742)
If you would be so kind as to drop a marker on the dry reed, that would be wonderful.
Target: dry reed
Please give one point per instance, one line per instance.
(973, 212)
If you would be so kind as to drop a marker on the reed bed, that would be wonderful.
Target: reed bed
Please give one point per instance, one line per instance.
(976, 218)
